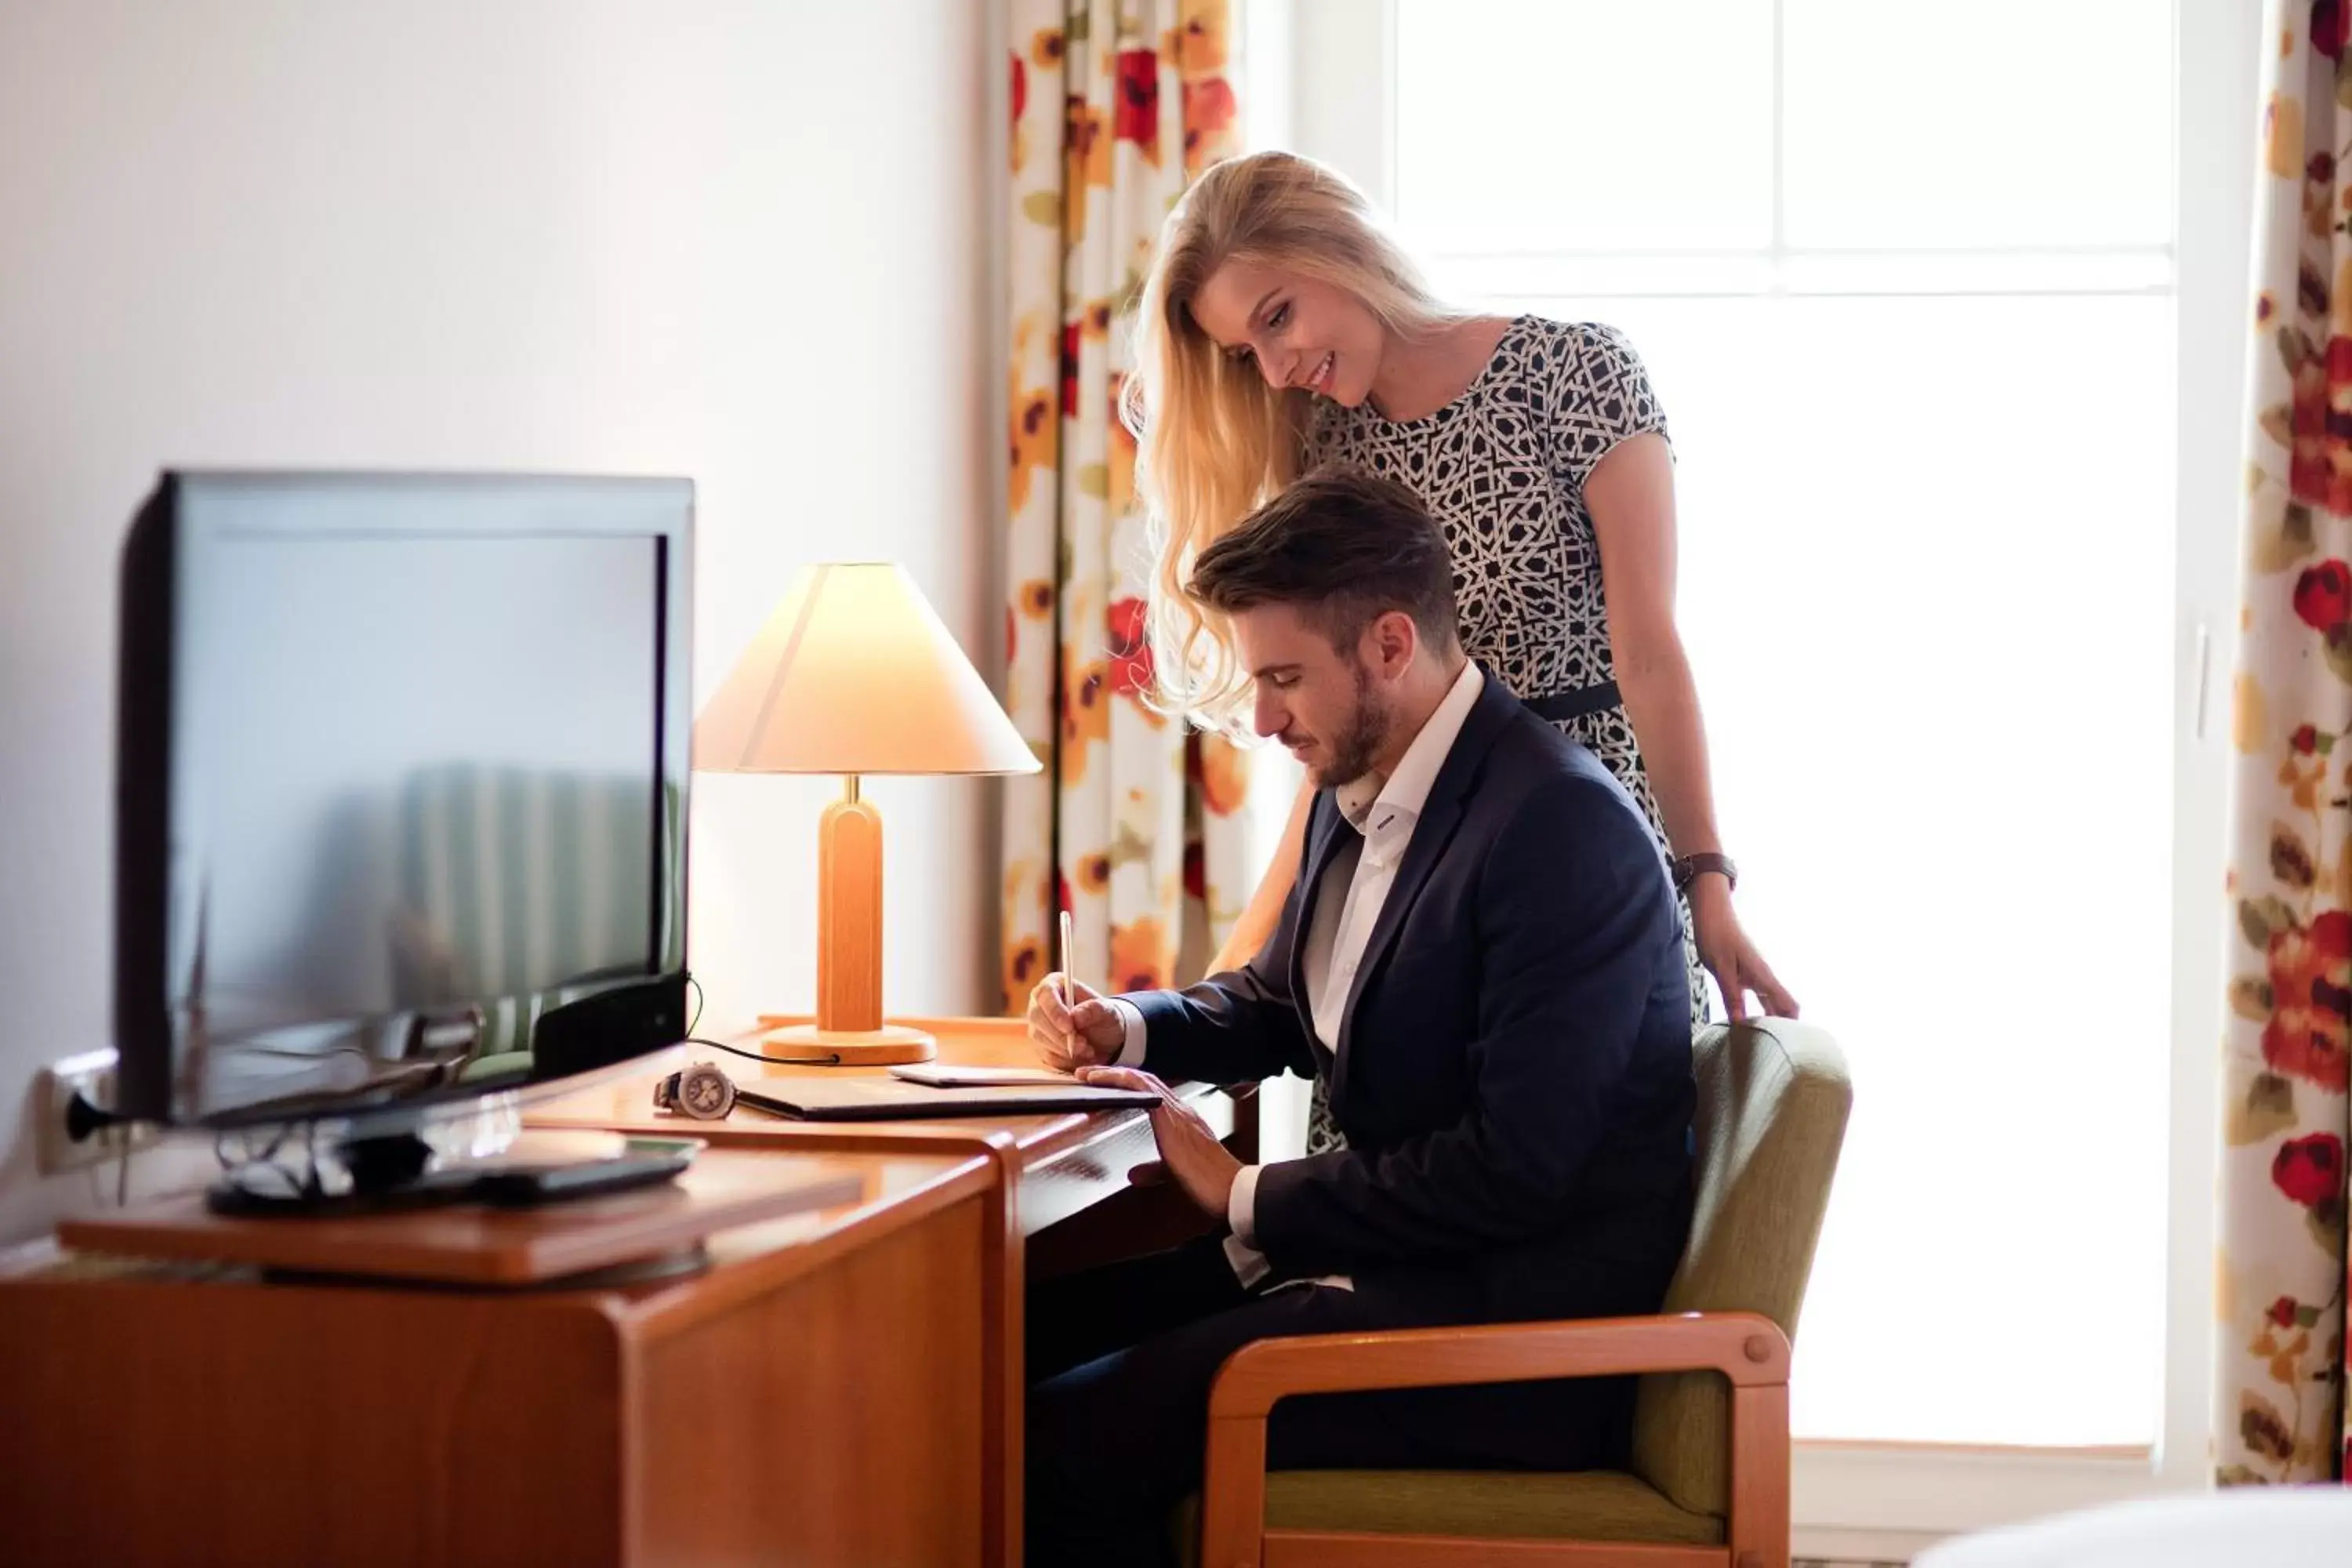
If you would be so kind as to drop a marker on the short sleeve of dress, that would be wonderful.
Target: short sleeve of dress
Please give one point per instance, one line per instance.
(1600, 396)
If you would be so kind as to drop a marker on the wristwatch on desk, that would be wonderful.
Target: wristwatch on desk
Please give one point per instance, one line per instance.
(701, 1091)
(1689, 868)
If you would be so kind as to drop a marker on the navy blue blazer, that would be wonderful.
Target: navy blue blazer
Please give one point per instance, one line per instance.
(1513, 1069)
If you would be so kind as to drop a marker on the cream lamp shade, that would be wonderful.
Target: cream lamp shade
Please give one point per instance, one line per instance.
(854, 674)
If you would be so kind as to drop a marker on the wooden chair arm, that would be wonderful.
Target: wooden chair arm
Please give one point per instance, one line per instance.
(1745, 1347)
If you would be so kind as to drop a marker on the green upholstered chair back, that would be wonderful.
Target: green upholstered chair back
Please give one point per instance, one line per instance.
(1772, 1102)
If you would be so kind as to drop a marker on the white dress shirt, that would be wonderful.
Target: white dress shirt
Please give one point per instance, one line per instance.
(1355, 885)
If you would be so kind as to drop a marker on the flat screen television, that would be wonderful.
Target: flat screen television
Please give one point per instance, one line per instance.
(402, 772)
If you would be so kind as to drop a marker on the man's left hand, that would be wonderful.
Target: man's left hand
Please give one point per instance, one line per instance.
(1203, 1167)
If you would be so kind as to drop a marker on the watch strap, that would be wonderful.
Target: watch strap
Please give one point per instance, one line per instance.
(1690, 868)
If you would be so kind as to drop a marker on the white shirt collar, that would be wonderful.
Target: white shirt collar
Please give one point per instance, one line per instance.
(1373, 803)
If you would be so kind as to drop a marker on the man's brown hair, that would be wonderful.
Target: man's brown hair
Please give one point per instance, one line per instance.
(1342, 547)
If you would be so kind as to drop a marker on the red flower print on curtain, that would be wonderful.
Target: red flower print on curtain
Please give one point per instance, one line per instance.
(1128, 829)
(2280, 1358)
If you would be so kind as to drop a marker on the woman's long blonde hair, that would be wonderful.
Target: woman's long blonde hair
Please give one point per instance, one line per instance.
(1214, 441)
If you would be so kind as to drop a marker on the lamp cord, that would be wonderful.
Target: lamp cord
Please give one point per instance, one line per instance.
(755, 1055)
(694, 1039)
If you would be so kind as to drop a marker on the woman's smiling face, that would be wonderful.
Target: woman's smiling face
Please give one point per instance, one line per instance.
(1301, 331)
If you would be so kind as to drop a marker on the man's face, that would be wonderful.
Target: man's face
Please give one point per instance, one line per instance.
(1330, 708)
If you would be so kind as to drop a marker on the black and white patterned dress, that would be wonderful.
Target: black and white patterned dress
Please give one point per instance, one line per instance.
(1502, 469)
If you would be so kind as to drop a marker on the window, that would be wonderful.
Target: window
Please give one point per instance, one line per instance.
(1907, 280)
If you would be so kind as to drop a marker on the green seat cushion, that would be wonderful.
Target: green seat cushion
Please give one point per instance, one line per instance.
(1588, 1505)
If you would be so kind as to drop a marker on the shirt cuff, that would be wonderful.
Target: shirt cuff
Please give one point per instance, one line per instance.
(1130, 1055)
(1250, 1264)
(1241, 1205)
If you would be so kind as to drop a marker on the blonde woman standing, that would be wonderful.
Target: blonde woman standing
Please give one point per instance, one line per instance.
(1281, 329)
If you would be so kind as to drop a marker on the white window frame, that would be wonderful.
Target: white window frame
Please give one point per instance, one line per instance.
(1318, 75)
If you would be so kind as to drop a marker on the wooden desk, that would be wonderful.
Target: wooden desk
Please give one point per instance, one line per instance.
(1062, 1165)
(819, 1394)
(839, 1388)
(1072, 1201)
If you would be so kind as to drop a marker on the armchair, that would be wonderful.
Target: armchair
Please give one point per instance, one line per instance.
(1708, 1481)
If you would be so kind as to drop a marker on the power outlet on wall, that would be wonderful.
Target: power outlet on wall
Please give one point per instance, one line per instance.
(92, 1076)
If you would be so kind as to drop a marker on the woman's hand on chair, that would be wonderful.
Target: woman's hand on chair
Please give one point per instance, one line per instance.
(1729, 956)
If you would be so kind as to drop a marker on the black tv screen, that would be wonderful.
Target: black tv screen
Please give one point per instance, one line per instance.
(402, 773)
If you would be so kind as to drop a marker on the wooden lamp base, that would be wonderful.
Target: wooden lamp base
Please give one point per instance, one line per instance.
(849, 1030)
(885, 1046)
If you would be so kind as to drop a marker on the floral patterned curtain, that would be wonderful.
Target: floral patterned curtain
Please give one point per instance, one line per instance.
(2279, 1411)
(1135, 825)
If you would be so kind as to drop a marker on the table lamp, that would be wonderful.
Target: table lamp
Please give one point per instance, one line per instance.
(854, 674)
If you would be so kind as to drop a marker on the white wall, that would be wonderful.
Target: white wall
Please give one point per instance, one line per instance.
(745, 242)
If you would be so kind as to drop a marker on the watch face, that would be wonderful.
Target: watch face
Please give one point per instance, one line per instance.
(704, 1092)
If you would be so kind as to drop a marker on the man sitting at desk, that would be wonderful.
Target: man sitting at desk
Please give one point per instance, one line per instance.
(1483, 958)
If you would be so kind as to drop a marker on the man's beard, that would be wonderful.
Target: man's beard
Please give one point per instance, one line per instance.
(1358, 740)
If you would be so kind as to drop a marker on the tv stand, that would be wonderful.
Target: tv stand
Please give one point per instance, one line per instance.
(767, 1382)
(457, 1240)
